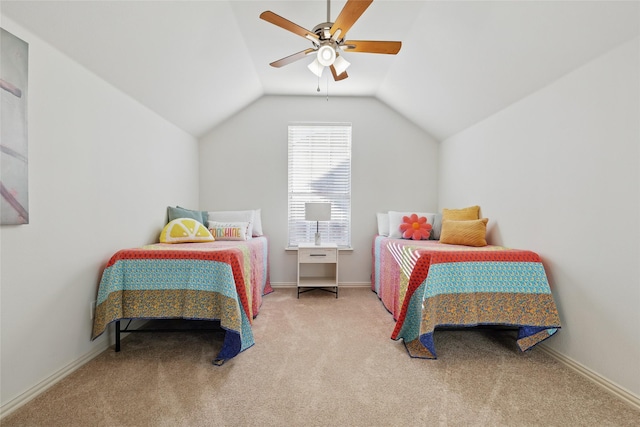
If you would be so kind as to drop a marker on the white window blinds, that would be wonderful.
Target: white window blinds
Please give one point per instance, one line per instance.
(320, 171)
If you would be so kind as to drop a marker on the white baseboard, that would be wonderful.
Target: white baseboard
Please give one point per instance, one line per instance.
(51, 380)
(341, 284)
(609, 386)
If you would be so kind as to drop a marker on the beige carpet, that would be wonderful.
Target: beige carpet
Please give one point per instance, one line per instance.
(321, 361)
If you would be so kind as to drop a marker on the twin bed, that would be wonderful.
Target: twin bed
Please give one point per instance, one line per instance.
(221, 281)
(427, 284)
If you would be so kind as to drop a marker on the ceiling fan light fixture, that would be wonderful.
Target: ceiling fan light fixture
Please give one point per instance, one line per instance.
(326, 55)
(316, 67)
(341, 65)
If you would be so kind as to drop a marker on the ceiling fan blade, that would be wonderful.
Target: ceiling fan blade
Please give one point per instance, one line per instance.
(291, 58)
(371, 46)
(348, 16)
(338, 77)
(288, 25)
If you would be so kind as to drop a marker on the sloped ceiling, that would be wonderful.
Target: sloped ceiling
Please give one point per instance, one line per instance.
(196, 63)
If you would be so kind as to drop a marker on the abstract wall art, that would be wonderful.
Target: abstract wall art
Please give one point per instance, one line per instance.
(14, 185)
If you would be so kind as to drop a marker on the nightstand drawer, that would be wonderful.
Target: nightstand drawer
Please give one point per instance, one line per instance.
(319, 255)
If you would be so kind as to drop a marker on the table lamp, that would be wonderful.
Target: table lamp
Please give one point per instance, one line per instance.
(317, 212)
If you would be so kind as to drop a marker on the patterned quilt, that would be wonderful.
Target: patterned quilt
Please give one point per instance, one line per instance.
(222, 281)
(457, 287)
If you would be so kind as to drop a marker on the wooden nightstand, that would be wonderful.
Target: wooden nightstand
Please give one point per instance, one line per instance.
(317, 267)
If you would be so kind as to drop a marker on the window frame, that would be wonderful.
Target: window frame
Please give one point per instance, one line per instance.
(317, 150)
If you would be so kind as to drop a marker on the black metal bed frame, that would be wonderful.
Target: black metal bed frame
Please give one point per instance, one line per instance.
(127, 330)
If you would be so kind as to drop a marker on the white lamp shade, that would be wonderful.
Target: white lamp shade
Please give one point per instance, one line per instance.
(316, 67)
(341, 65)
(326, 55)
(317, 211)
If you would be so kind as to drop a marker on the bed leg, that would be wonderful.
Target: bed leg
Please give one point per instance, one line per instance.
(117, 335)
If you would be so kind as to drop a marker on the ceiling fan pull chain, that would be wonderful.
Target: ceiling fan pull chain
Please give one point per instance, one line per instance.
(318, 89)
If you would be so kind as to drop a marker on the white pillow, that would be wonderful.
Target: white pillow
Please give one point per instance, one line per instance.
(383, 223)
(229, 230)
(395, 219)
(233, 216)
(437, 227)
(257, 223)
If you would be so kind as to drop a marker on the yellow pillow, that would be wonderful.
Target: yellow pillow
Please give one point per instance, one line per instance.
(467, 233)
(472, 212)
(185, 230)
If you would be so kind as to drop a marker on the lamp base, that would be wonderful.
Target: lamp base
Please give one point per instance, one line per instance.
(317, 239)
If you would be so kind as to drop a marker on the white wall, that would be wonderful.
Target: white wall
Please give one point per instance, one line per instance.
(102, 170)
(243, 165)
(558, 173)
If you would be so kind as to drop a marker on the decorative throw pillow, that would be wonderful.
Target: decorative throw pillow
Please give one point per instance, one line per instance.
(234, 216)
(395, 219)
(185, 230)
(415, 227)
(229, 230)
(472, 212)
(178, 212)
(467, 232)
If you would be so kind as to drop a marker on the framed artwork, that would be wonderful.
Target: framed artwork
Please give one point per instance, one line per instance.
(14, 185)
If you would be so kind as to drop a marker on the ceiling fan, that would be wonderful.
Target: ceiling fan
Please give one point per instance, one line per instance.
(329, 42)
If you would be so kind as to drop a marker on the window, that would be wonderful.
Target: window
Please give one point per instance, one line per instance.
(320, 171)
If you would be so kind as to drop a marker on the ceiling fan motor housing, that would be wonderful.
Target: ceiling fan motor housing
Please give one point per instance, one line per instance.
(323, 30)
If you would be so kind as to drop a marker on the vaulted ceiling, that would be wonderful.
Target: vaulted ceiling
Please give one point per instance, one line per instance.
(196, 63)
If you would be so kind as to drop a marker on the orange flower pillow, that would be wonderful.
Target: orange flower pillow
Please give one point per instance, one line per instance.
(414, 227)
